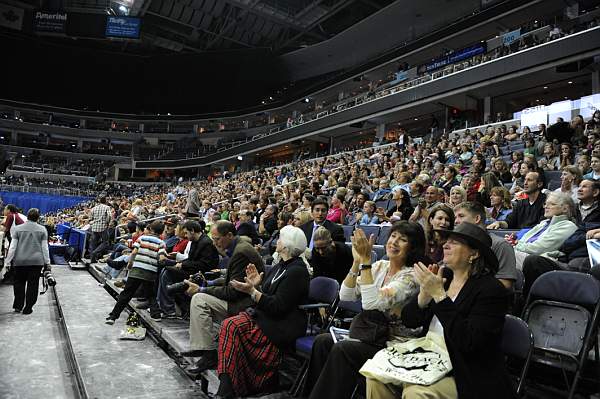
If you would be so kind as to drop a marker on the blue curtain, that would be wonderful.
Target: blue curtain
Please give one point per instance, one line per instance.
(44, 202)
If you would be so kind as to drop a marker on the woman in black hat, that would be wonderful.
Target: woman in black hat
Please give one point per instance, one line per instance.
(466, 305)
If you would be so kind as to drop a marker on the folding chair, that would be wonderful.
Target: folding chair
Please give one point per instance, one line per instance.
(323, 293)
(518, 300)
(562, 312)
(517, 342)
(352, 307)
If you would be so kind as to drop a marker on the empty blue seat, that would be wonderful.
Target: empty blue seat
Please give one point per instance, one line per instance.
(384, 233)
(304, 344)
(348, 232)
(370, 230)
(379, 250)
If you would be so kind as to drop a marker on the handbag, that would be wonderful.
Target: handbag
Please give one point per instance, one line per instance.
(371, 327)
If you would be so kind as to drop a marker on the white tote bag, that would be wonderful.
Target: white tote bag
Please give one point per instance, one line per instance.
(421, 361)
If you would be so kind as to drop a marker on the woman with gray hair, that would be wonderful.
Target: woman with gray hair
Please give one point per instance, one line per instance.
(251, 344)
(550, 233)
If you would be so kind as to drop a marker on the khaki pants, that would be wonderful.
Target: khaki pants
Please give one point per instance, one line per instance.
(204, 310)
(443, 389)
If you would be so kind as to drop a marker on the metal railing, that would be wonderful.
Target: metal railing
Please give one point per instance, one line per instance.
(461, 66)
(42, 190)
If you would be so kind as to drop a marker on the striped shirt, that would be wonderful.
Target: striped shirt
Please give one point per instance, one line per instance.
(148, 250)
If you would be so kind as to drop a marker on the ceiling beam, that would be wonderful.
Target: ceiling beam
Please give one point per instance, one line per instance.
(197, 28)
(144, 8)
(306, 9)
(222, 33)
(371, 4)
(337, 7)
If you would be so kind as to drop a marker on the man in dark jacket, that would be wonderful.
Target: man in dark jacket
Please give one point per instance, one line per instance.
(247, 228)
(529, 211)
(201, 257)
(216, 302)
(319, 210)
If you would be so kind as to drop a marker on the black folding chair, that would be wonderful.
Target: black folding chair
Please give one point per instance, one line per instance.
(517, 342)
(323, 293)
(562, 312)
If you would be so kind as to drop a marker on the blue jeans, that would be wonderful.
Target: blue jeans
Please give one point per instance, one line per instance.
(164, 300)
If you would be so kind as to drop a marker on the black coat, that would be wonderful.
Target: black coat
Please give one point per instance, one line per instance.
(277, 313)
(249, 230)
(203, 257)
(575, 246)
(334, 265)
(473, 332)
(337, 232)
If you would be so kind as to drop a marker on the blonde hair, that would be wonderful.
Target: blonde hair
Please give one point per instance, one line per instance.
(304, 216)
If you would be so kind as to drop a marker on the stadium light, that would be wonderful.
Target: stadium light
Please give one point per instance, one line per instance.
(239, 158)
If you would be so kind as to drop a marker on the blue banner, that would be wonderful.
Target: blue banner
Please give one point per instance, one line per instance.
(456, 56)
(126, 27)
(510, 37)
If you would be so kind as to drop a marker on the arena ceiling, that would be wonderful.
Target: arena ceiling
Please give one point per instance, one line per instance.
(217, 25)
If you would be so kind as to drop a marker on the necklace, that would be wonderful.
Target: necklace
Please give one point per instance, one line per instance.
(278, 275)
(387, 277)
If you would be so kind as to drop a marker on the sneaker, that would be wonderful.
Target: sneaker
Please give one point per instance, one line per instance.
(156, 317)
(110, 321)
(171, 315)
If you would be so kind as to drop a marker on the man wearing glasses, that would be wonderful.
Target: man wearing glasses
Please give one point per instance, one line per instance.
(219, 300)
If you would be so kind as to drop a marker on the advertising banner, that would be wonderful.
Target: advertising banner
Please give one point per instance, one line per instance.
(50, 22)
(511, 37)
(456, 56)
(125, 27)
(533, 116)
(11, 17)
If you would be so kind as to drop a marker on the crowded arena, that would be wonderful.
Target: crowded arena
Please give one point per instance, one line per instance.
(300, 199)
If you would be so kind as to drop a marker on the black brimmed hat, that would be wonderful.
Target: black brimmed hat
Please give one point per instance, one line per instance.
(476, 238)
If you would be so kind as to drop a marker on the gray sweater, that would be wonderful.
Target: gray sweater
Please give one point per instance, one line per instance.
(29, 246)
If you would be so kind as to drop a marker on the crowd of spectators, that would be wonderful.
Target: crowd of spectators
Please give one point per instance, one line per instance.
(368, 91)
(441, 199)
